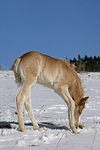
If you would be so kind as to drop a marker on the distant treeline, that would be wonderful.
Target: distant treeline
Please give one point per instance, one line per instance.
(90, 64)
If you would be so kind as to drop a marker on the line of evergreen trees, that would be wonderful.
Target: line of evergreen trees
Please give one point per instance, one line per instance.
(90, 64)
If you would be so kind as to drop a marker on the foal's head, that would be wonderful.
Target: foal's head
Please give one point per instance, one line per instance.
(78, 111)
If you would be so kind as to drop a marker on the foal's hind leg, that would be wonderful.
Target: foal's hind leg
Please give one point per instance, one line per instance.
(23, 98)
(20, 99)
(28, 106)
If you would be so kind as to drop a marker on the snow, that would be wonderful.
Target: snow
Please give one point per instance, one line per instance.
(51, 114)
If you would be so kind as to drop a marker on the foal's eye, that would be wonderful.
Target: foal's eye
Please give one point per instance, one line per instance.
(79, 112)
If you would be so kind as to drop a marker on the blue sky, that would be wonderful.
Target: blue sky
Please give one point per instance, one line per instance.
(60, 28)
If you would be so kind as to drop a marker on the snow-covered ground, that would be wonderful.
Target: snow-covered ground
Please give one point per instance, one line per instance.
(51, 114)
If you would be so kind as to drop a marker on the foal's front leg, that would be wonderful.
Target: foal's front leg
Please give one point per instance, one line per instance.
(71, 116)
(62, 90)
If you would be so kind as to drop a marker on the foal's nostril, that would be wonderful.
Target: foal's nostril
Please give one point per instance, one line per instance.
(76, 125)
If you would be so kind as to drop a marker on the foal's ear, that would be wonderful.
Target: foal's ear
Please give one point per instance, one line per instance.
(83, 100)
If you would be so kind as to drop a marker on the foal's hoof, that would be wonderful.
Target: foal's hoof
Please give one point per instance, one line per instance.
(76, 132)
(22, 130)
(36, 128)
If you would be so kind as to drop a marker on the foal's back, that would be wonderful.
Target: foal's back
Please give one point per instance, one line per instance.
(47, 70)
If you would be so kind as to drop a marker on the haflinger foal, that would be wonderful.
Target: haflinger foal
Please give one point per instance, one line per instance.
(54, 73)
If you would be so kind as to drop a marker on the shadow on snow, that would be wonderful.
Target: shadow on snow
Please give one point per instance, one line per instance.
(49, 125)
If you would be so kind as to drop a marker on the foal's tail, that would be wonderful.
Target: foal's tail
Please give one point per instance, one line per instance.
(18, 72)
